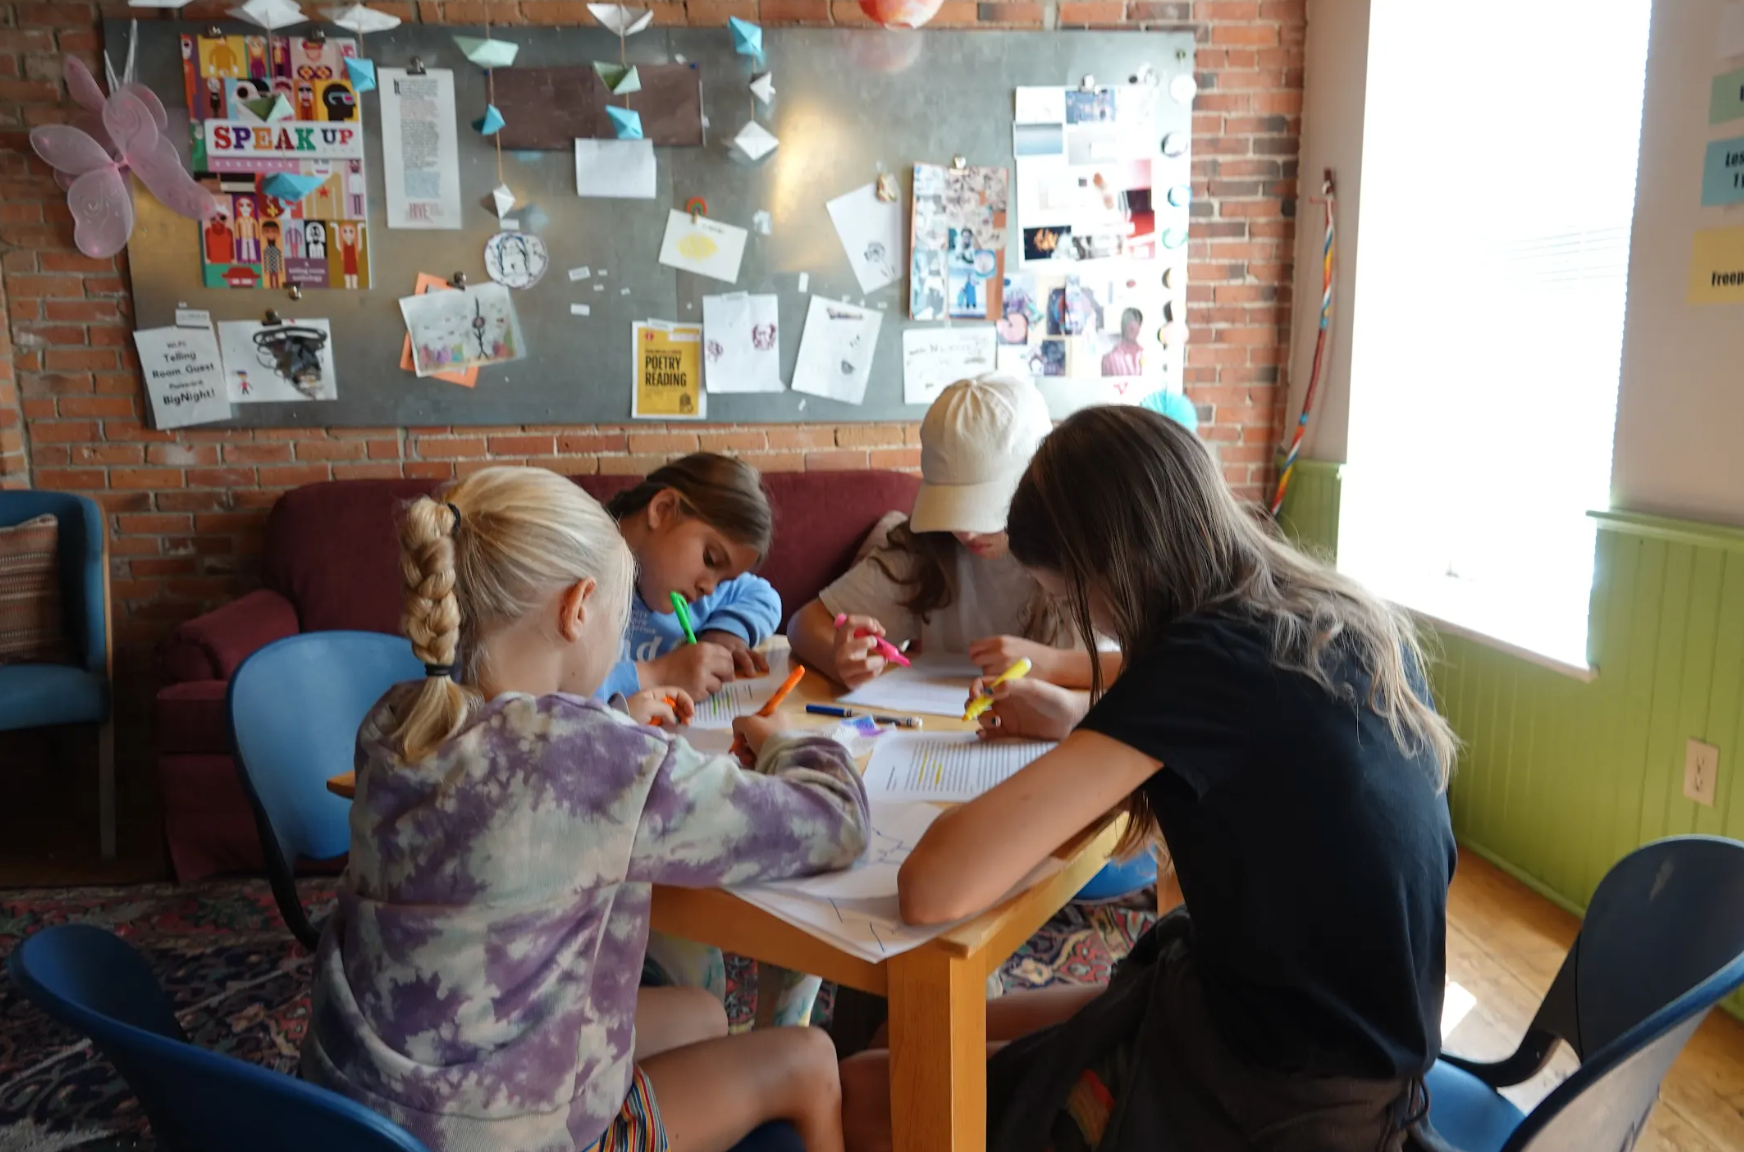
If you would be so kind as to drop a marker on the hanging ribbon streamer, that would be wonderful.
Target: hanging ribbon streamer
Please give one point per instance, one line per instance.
(1328, 200)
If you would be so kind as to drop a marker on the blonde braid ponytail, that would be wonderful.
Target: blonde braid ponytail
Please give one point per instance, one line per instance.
(431, 621)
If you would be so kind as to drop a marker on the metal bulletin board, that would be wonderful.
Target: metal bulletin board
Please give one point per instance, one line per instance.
(849, 104)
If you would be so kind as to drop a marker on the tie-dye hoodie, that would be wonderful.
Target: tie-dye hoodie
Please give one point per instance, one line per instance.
(477, 982)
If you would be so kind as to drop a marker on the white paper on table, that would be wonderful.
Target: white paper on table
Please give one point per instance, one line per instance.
(935, 358)
(184, 376)
(193, 318)
(872, 927)
(251, 374)
(1040, 106)
(741, 697)
(615, 169)
(938, 685)
(949, 766)
(897, 826)
(836, 349)
(1730, 42)
(871, 233)
(706, 247)
(420, 148)
(741, 344)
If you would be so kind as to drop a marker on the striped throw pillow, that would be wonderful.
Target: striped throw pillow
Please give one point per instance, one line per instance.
(30, 594)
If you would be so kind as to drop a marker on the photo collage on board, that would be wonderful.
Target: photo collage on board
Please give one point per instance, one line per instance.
(1102, 214)
(278, 106)
(958, 266)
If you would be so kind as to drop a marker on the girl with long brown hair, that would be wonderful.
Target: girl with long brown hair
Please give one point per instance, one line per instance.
(1273, 725)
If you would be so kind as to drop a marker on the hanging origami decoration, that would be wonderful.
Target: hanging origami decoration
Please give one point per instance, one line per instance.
(491, 123)
(270, 14)
(93, 165)
(626, 124)
(360, 19)
(487, 53)
(361, 73)
(901, 13)
(502, 200)
(763, 86)
(618, 79)
(754, 141)
(290, 186)
(621, 18)
(747, 37)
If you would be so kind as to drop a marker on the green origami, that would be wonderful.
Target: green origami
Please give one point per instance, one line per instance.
(618, 79)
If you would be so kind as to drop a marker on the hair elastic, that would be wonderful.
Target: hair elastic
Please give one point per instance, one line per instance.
(433, 670)
(456, 512)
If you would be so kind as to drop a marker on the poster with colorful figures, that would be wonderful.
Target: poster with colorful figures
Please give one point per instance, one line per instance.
(264, 106)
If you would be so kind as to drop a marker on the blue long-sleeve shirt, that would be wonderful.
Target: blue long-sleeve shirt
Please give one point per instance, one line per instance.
(746, 606)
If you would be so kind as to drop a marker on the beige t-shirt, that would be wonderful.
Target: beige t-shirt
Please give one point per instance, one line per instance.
(991, 598)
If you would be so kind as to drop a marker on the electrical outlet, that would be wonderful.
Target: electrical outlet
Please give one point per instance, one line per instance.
(1701, 770)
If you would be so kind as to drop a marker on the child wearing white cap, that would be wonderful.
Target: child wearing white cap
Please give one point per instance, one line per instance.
(945, 579)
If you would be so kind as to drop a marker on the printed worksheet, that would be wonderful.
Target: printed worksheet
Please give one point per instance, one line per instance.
(957, 766)
(741, 697)
(936, 685)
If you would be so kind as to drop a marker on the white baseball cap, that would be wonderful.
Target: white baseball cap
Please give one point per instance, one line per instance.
(975, 443)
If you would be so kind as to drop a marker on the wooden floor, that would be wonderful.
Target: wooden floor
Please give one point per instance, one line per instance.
(1504, 945)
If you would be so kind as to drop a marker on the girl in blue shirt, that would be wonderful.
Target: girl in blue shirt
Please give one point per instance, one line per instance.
(696, 526)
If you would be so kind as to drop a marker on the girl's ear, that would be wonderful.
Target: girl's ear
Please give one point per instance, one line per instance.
(663, 508)
(573, 605)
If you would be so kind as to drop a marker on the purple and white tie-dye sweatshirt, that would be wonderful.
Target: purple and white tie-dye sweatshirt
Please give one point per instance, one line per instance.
(477, 982)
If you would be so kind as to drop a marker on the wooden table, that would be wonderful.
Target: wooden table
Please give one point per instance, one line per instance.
(937, 992)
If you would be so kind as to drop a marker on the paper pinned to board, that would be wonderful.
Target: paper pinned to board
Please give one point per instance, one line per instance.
(1040, 106)
(462, 328)
(703, 246)
(836, 350)
(287, 362)
(184, 376)
(193, 318)
(668, 371)
(935, 358)
(420, 149)
(741, 342)
(870, 229)
(615, 169)
(465, 377)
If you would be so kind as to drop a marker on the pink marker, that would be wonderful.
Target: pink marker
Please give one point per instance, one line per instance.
(885, 648)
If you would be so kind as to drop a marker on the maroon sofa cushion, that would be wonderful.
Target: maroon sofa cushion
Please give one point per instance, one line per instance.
(332, 549)
(193, 716)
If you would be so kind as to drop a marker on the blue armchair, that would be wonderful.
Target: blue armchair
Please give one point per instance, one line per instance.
(38, 695)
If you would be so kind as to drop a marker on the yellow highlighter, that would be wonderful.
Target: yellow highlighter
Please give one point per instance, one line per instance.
(985, 701)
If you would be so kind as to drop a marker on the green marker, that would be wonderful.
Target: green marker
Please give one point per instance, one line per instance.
(678, 606)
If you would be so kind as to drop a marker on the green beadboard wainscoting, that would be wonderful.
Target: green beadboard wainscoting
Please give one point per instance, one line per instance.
(1562, 777)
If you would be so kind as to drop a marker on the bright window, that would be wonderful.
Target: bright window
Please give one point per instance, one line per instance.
(1497, 187)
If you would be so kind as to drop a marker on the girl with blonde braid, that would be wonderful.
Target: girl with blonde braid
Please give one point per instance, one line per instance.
(477, 983)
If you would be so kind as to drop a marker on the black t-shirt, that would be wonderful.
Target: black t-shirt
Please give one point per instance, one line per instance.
(1314, 854)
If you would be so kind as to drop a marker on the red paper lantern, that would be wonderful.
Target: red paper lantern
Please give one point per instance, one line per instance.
(901, 13)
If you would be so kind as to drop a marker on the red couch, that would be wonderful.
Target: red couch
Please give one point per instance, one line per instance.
(331, 561)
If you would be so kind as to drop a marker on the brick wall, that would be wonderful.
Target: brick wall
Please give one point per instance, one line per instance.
(187, 508)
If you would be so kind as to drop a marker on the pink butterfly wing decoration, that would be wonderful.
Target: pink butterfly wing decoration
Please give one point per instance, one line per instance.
(81, 85)
(151, 156)
(97, 193)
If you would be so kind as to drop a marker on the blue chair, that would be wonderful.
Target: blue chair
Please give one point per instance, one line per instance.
(1662, 943)
(39, 695)
(197, 1101)
(1119, 878)
(295, 707)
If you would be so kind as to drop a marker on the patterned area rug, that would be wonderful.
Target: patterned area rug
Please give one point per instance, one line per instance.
(241, 986)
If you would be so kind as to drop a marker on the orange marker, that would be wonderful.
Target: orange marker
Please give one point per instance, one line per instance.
(656, 722)
(743, 750)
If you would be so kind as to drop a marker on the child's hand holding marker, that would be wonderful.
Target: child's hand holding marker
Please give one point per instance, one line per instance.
(747, 661)
(1028, 709)
(980, 701)
(743, 747)
(861, 651)
(661, 706)
(700, 668)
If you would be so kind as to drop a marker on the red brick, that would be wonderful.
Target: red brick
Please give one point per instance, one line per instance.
(383, 449)
(293, 475)
(629, 465)
(1091, 13)
(231, 522)
(775, 461)
(71, 479)
(732, 440)
(1261, 34)
(714, 13)
(220, 477)
(582, 442)
(330, 449)
(166, 566)
(78, 360)
(801, 437)
(99, 406)
(63, 431)
(836, 460)
(387, 470)
(75, 262)
(257, 453)
(654, 442)
(29, 92)
(107, 454)
(900, 459)
(556, 12)
(522, 445)
(777, 12)
(182, 455)
(868, 435)
(152, 478)
(31, 287)
(427, 470)
(152, 524)
(450, 447)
